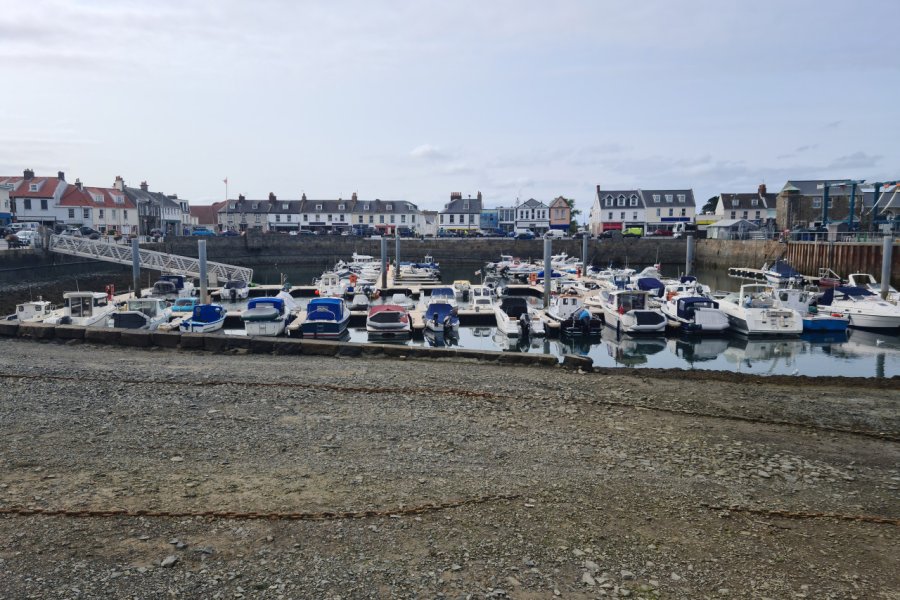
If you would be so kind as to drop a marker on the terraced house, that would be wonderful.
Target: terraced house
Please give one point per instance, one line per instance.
(758, 208)
(650, 210)
(461, 215)
(35, 199)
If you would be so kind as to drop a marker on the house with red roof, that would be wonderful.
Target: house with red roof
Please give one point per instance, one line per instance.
(34, 199)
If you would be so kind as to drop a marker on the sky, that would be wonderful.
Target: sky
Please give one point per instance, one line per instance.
(413, 100)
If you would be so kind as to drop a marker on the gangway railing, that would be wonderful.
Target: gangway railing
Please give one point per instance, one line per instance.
(157, 261)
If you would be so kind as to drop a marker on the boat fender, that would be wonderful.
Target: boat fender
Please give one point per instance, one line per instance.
(670, 295)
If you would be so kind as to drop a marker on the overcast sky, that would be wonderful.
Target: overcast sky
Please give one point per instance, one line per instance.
(415, 100)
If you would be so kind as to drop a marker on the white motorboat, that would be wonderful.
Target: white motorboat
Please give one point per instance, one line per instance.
(574, 319)
(443, 294)
(360, 301)
(694, 314)
(33, 311)
(628, 311)
(805, 302)
(205, 319)
(864, 308)
(753, 311)
(440, 317)
(330, 285)
(141, 313)
(172, 287)
(84, 309)
(401, 299)
(482, 299)
(265, 316)
(868, 281)
(514, 317)
(388, 322)
(234, 290)
(463, 289)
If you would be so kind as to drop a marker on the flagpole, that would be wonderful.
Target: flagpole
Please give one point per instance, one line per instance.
(225, 226)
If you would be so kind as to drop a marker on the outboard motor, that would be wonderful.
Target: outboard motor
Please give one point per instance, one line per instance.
(233, 292)
(524, 324)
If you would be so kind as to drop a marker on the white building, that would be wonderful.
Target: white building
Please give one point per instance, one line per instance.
(533, 216)
(461, 214)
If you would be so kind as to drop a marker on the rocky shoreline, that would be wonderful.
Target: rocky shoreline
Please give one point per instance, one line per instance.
(556, 482)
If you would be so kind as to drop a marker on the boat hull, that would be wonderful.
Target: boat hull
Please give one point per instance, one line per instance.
(324, 329)
(265, 328)
(190, 326)
(825, 323)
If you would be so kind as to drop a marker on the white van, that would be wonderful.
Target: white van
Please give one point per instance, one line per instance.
(555, 234)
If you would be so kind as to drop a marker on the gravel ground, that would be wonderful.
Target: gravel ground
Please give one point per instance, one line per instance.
(611, 500)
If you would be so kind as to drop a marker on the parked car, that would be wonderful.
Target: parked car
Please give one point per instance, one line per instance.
(26, 236)
(610, 234)
(231, 233)
(525, 235)
(663, 232)
(202, 231)
(555, 234)
(633, 232)
(157, 232)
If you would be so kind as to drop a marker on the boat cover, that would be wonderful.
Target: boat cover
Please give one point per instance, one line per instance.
(514, 306)
(784, 269)
(325, 309)
(651, 284)
(207, 313)
(234, 285)
(687, 279)
(687, 306)
(176, 280)
(388, 313)
(442, 309)
(828, 297)
(264, 309)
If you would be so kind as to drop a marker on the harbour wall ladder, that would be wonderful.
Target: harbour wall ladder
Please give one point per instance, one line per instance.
(158, 261)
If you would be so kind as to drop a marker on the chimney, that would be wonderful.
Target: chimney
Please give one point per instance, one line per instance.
(271, 197)
(61, 176)
(119, 183)
(353, 197)
(762, 190)
(29, 174)
(241, 198)
(303, 196)
(78, 184)
(479, 196)
(455, 196)
(144, 186)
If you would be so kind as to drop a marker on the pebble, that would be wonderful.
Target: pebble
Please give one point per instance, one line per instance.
(587, 579)
(169, 561)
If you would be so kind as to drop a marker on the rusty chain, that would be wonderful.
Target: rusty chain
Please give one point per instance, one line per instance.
(788, 514)
(256, 515)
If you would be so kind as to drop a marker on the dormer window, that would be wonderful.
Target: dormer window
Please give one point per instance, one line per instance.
(735, 202)
(255, 205)
(366, 206)
(633, 201)
(621, 200)
(231, 206)
(341, 207)
(284, 206)
(668, 197)
(681, 197)
(318, 207)
(120, 199)
(465, 206)
(656, 197)
(754, 201)
(98, 198)
(391, 207)
(33, 187)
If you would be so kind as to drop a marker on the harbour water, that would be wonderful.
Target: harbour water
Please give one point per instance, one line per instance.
(856, 353)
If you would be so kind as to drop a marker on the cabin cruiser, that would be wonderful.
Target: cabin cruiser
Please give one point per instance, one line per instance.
(325, 318)
(401, 299)
(628, 310)
(234, 290)
(265, 316)
(806, 304)
(141, 313)
(84, 309)
(463, 289)
(782, 274)
(575, 319)
(171, 287)
(33, 311)
(753, 311)
(694, 314)
(515, 317)
(443, 294)
(330, 285)
(864, 308)
(482, 299)
(205, 319)
(388, 322)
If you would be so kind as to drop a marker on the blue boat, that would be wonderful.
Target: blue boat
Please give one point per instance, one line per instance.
(325, 318)
(205, 318)
(440, 317)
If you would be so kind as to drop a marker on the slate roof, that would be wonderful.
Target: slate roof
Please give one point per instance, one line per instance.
(532, 203)
(667, 198)
(809, 187)
(458, 206)
(745, 201)
(733, 222)
(602, 195)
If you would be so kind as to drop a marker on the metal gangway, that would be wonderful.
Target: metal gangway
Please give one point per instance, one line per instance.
(158, 261)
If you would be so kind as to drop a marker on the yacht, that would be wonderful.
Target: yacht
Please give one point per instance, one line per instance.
(868, 281)
(172, 287)
(753, 311)
(515, 317)
(805, 303)
(694, 314)
(865, 309)
(628, 311)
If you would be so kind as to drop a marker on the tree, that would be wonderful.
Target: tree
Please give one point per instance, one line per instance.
(710, 206)
(574, 212)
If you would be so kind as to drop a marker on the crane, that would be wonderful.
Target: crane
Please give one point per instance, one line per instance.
(827, 185)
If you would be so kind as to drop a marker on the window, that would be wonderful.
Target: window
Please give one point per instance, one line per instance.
(100, 216)
(284, 206)
(671, 212)
(392, 218)
(681, 197)
(442, 219)
(278, 218)
(318, 207)
(413, 218)
(668, 197)
(71, 213)
(366, 206)
(451, 219)
(26, 203)
(683, 212)
(305, 218)
(744, 215)
(87, 213)
(610, 217)
(658, 211)
(371, 219)
(622, 215)
(403, 218)
(734, 202)
(620, 200)
(288, 218)
(257, 217)
(33, 187)
(340, 217)
(471, 219)
(656, 197)
(231, 206)
(634, 215)
(121, 200)
(43, 205)
(817, 203)
(634, 201)
(757, 215)
(733, 214)
(609, 200)
(391, 207)
(360, 219)
(255, 206)
(381, 218)
(340, 207)
(754, 201)
(329, 218)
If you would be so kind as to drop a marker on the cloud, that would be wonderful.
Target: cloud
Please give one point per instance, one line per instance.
(855, 161)
(428, 152)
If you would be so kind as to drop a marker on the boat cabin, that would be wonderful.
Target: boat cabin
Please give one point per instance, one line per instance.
(624, 301)
(565, 305)
(514, 306)
(36, 309)
(185, 305)
(85, 304)
(687, 307)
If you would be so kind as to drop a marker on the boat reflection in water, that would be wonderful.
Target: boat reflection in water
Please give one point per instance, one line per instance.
(631, 351)
(698, 349)
(517, 343)
(442, 338)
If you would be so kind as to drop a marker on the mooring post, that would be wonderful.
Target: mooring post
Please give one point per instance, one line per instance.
(689, 259)
(136, 266)
(201, 253)
(548, 270)
(584, 252)
(886, 249)
(384, 264)
(397, 250)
